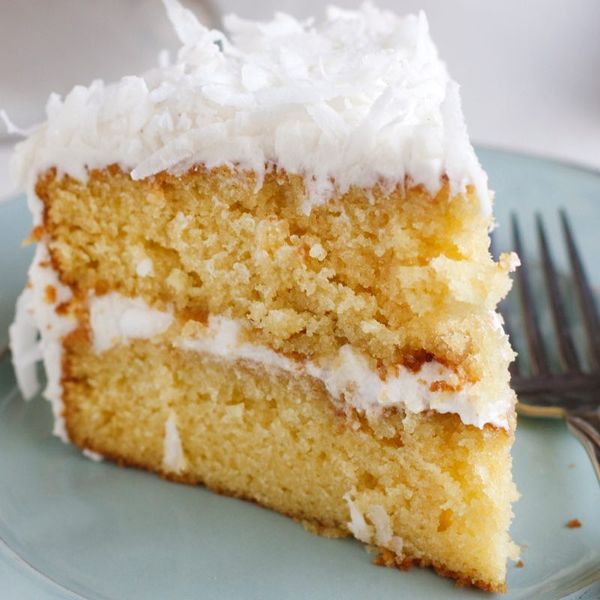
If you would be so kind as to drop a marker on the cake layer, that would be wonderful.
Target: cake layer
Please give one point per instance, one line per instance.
(398, 276)
(423, 487)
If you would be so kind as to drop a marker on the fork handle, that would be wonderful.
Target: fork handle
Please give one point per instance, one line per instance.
(585, 426)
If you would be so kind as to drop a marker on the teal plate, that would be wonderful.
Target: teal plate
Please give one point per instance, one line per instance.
(71, 528)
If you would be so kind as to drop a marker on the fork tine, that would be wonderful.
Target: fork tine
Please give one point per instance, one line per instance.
(584, 293)
(539, 359)
(514, 365)
(568, 353)
(493, 245)
(515, 369)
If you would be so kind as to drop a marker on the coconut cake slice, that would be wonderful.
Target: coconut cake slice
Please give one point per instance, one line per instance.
(264, 267)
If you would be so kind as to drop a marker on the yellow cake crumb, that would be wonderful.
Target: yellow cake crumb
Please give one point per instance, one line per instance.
(402, 277)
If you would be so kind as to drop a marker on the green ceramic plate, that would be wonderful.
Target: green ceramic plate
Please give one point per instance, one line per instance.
(72, 528)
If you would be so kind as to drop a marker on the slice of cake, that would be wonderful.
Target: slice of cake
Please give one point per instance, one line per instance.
(264, 267)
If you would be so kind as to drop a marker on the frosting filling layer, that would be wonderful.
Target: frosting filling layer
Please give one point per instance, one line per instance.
(349, 378)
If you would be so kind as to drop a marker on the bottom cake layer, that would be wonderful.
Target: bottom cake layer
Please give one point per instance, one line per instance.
(421, 488)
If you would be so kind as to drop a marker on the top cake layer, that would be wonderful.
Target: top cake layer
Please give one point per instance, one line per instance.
(358, 99)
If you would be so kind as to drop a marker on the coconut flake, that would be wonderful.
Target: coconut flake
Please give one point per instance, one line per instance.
(94, 456)
(188, 28)
(12, 128)
(381, 522)
(173, 458)
(357, 525)
(145, 267)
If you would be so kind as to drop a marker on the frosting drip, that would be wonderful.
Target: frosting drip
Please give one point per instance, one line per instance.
(348, 377)
(37, 333)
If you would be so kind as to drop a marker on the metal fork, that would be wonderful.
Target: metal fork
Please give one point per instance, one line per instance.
(572, 391)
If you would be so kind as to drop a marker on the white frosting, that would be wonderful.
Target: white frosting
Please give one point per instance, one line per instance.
(350, 376)
(379, 532)
(116, 319)
(359, 98)
(347, 375)
(221, 340)
(37, 334)
(173, 456)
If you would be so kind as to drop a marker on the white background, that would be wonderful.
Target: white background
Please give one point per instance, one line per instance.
(529, 69)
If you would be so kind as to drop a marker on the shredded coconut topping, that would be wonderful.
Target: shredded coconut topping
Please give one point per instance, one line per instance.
(173, 455)
(358, 99)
